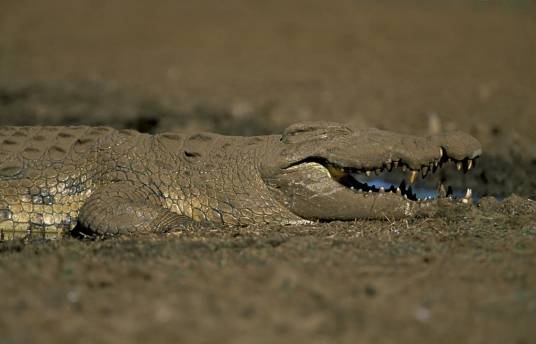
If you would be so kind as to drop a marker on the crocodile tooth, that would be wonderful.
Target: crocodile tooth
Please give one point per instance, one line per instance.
(368, 173)
(441, 152)
(395, 163)
(370, 191)
(390, 167)
(459, 165)
(378, 171)
(335, 172)
(412, 175)
(398, 191)
(468, 195)
(404, 168)
(382, 190)
(469, 164)
(424, 171)
(441, 191)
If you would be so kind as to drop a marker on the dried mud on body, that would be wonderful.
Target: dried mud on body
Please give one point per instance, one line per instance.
(464, 275)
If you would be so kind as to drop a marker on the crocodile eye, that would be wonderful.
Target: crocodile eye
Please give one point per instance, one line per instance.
(191, 154)
(307, 131)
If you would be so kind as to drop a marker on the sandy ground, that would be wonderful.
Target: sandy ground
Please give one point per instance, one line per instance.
(252, 67)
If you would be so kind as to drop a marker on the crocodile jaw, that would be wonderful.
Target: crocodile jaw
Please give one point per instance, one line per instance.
(314, 191)
(310, 191)
(313, 175)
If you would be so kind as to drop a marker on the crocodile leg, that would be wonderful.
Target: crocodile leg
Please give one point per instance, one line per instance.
(125, 208)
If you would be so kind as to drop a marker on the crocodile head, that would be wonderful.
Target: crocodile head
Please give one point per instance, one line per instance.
(319, 169)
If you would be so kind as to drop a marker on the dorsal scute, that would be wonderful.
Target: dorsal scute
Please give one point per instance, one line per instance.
(43, 145)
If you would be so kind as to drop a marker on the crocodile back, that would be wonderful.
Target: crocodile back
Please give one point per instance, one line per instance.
(45, 176)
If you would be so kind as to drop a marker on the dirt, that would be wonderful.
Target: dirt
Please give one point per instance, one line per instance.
(241, 67)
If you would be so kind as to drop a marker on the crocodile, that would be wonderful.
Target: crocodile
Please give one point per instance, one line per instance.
(122, 183)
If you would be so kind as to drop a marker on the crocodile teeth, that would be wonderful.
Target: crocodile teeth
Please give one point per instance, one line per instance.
(424, 171)
(467, 165)
(468, 195)
(353, 178)
(336, 173)
(412, 175)
(441, 191)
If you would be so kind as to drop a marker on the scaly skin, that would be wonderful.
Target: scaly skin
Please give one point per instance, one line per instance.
(123, 182)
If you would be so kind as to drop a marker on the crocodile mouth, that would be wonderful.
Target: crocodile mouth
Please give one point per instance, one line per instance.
(396, 177)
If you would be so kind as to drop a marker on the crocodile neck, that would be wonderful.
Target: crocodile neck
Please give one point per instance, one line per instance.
(207, 177)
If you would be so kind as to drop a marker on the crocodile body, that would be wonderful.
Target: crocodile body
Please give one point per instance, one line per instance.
(124, 182)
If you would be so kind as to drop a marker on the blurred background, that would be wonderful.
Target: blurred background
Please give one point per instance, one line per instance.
(252, 67)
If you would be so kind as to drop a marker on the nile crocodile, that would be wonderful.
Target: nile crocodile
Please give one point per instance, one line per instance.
(121, 182)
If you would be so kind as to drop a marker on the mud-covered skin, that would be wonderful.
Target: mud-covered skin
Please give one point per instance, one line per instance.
(123, 182)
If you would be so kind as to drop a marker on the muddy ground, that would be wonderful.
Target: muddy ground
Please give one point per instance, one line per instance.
(250, 67)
